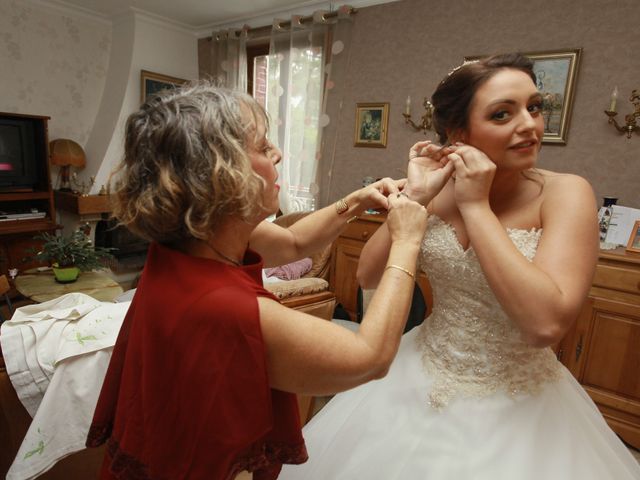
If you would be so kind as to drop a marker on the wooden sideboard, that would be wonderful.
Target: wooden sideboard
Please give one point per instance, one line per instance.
(345, 257)
(16, 236)
(602, 349)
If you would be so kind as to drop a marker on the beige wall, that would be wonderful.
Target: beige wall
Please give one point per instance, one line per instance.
(407, 47)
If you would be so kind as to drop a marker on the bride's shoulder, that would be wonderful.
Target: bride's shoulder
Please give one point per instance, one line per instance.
(570, 190)
(563, 183)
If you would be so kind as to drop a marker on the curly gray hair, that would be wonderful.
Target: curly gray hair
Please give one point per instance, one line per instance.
(185, 165)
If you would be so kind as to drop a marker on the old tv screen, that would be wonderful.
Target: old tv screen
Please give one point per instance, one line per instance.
(18, 147)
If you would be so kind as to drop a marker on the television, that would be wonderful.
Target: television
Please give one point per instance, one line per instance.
(22, 146)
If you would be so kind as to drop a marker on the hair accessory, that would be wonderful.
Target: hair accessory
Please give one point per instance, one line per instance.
(466, 62)
(402, 269)
(341, 206)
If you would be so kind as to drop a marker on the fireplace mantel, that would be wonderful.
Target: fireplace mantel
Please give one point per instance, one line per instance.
(82, 204)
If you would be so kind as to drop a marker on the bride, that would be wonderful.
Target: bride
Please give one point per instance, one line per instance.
(510, 250)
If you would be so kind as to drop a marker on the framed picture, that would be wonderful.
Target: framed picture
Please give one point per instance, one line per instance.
(634, 238)
(151, 83)
(372, 120)
(556, 74)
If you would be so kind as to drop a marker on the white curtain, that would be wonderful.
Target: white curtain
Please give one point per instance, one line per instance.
(295, 82)
(229, 53)
(305, 72)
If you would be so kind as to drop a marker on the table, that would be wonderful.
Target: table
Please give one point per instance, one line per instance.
(41, 286)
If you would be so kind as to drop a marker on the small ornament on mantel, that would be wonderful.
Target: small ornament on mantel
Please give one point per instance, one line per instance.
(103, 190)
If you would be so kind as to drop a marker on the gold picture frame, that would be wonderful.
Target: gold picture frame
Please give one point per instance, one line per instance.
(372, 122)
(633, 245)
(151, 83)
(556, 74)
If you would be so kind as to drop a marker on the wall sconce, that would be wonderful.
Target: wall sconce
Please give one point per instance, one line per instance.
(426, 122)
(630, 125)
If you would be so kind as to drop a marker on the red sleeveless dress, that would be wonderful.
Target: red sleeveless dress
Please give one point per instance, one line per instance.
(186, 395)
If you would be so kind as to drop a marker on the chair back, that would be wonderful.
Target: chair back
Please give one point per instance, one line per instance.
(320, 260)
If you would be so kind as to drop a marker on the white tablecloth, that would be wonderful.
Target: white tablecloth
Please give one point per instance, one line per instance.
(56, 354)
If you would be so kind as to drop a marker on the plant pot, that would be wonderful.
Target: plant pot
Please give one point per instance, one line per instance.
(66, 274)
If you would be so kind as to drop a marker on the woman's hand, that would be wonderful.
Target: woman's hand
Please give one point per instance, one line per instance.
(428, 171)
(474, 173)
(374, 196)
(406, 220)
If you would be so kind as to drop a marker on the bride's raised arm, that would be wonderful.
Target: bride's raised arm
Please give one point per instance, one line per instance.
(428, 171)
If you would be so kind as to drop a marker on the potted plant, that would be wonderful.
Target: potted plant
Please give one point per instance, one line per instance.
(70, 255)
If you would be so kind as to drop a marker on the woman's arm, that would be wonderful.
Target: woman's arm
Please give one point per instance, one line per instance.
(308, 355)
(542, 297)
(427, 173)
(316, 230)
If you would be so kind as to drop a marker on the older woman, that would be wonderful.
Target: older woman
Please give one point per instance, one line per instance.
(201, 380)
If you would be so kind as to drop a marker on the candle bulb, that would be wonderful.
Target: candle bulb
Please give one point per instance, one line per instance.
(407, 108)
(614, 99)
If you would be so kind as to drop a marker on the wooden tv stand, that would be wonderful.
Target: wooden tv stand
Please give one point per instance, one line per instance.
(16, 236)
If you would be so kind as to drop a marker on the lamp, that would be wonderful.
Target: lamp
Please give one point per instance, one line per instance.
(426, 122)
(630, 120)
(66, 153)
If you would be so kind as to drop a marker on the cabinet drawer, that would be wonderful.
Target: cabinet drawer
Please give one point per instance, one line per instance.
(360, 230)
(616, 278)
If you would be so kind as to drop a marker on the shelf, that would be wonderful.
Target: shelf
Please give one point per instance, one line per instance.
(27, 226)
(23, 196)
(82, 204)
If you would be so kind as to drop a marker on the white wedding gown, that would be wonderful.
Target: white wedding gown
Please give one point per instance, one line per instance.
(465, 398)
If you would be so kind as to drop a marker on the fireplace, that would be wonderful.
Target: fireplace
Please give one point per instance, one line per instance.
(131, 250)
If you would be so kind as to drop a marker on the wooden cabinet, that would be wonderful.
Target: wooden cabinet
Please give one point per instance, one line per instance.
(16, 235)
(346, 254)
(603, 348)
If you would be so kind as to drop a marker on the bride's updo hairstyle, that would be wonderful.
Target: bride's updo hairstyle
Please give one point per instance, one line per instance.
(185, 165)
(452, 99)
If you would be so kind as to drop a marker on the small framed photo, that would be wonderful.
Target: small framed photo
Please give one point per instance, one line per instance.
(151, 83)
(556, 75)
(634, 238)
(372, 121)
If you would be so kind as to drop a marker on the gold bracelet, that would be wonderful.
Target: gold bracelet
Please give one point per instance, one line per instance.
(341, 206)
(397, 267)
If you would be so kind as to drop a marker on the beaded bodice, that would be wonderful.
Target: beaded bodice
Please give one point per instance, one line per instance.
(469, 345)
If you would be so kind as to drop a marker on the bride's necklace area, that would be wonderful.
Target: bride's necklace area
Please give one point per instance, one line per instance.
(227, 258)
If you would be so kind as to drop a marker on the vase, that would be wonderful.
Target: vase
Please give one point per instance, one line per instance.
(66, 274)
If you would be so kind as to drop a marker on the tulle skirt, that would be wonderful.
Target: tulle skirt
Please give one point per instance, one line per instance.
(385, 430)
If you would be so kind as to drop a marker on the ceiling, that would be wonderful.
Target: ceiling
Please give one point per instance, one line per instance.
(198, 14)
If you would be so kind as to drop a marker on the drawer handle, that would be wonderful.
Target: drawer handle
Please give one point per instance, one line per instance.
(365, 234)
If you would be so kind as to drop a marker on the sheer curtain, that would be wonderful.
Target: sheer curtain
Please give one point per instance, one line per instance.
(229, 53)
(304, 73)
(299, 81)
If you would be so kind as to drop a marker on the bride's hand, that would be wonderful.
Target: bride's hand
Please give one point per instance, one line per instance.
(474, 172)
(428, 171)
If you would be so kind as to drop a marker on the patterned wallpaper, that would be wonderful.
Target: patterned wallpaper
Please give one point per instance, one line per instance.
(53, 63)
(406, 47)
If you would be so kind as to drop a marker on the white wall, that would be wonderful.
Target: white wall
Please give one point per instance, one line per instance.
(140, 43)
